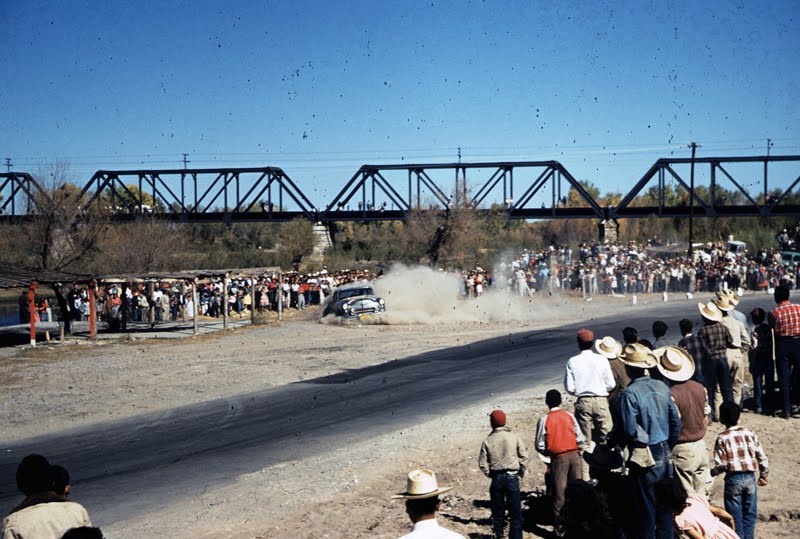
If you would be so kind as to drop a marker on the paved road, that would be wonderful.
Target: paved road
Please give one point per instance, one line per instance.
(165, 456)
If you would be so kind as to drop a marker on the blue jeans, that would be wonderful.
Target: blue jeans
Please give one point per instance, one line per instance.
(719, 373)
(650, 520)
(504, 492)
(741, 502)
(763, 371)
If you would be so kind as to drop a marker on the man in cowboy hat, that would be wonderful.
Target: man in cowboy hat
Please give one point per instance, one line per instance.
(503, 457)
(741, 346)
(588, 376)
(422, 502)
(651, 426)
(689, 455)
(733, 298)
(718, 339)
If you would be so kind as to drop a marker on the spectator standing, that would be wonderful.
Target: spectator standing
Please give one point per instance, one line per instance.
(689, 456)
(651, 426)
(717, 339)
(660, 329)
(588, 376)
(736, 353)
(785, 319)
(558, 437)
(697, 349)
(738, 453)
(762, 362)
(503, 457)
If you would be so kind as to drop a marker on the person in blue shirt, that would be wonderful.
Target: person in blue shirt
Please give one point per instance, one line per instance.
(650, 425)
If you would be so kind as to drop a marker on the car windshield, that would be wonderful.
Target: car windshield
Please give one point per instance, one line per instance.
(353, 292)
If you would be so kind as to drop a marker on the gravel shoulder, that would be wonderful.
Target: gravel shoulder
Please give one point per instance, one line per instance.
(57, 387)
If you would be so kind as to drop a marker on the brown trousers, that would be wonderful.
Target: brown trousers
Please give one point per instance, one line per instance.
(562, 469)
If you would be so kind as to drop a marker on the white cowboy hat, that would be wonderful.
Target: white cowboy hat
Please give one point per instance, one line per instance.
(608, 347)
(421, 484)
(675, 363)
(710, 311)
(638, 355)
(724, 303)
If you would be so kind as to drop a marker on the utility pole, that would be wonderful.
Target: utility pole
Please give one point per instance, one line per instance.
(693, 146)
(8, 164)
(185, 161)
(769, 145)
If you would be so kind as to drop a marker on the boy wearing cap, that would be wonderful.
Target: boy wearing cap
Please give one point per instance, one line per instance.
(422, 502)
(503, 457)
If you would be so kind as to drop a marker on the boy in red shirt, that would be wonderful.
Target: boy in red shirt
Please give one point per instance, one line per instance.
(558, 436)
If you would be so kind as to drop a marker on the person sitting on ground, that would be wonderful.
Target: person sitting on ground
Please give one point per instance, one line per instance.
(739, 454)
(503, 457)
(695, 518)
(43, 514)
(422, 502)
(60, 480)
(84, 532)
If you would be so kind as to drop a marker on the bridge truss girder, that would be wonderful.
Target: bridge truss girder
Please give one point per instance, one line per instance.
(18, 192)
(664, 169)
(370, 181)
(245, 194)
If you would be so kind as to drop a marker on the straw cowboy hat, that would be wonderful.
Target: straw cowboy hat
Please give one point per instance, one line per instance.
(724, 303)
(638, 355)
(732, 296)
(421, 484)
(710, 311)
(608, 347)
(675, 363)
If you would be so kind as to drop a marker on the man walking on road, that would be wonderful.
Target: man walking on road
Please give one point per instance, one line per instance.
(503, 457)
(588, 376)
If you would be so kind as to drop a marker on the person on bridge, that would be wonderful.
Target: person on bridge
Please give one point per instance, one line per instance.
(503, 457)
(43, 514)
(588, 376)
(422, 501)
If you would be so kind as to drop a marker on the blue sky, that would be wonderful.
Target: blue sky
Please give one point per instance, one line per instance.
(319, 88)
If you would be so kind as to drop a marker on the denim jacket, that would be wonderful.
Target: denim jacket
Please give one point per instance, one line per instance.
(649, 415)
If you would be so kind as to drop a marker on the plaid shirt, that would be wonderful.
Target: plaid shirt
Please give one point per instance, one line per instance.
(786, 319)
(717, 339)
(697, 349)
(738, 450)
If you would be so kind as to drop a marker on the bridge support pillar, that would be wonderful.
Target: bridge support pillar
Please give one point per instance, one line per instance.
(322, 240)
(608, 229)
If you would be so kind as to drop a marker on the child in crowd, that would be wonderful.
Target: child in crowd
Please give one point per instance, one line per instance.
(694, 516)
(762, 362)
(60, 480)
(739, 454)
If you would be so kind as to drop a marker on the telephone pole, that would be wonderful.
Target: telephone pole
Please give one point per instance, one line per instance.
(693, 146)
(8, 164)
(185, 161)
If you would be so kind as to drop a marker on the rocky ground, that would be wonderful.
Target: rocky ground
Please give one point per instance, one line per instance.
(344, 492)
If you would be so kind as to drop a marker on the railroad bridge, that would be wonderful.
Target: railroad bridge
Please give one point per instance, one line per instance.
(671, 187)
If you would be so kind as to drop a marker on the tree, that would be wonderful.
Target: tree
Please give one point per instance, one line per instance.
(296, 242)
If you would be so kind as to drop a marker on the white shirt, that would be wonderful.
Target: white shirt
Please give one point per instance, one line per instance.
(430, 529)
(588, 374)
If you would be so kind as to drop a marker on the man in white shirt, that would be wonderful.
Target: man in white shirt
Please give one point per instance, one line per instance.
(588, 376)
(422, 502)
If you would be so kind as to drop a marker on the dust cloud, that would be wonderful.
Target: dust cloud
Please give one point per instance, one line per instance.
(421, 295)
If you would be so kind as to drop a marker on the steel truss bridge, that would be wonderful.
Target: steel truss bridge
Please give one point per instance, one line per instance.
(724, 186)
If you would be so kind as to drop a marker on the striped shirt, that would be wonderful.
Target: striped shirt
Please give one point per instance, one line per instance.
(787, 319)
(738, 450)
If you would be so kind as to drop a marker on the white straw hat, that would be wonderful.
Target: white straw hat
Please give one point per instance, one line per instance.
(710, 311)
(608, 347)
(638, 355)
(675, 363)
(421, 484)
